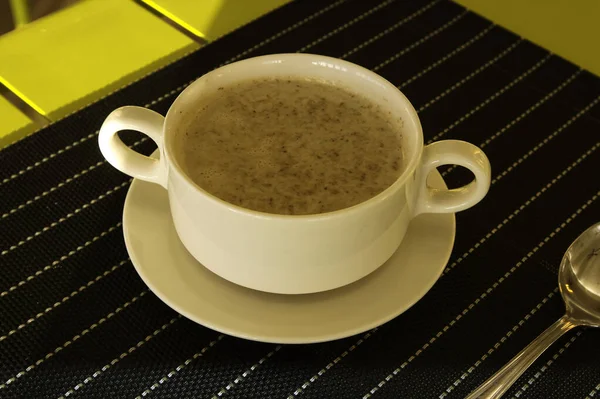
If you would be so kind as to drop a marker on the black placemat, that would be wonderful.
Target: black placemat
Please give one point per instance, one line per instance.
(76, 320)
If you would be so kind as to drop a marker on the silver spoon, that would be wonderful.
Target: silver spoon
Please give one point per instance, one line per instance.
(579, 283)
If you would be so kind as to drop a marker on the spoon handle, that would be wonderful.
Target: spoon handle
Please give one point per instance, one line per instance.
(502, 380)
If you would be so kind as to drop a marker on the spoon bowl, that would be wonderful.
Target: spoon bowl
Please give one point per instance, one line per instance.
(579, 278)
(579, 284)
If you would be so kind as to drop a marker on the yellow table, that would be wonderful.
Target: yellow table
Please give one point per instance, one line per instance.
(568, 28)
(61, 63)
(211, 19)
(13, 123)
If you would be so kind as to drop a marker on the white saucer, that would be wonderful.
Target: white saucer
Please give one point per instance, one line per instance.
(198, 294)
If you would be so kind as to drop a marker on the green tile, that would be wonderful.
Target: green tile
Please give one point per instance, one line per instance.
(13, 123)
(211, 19)
(64, 61)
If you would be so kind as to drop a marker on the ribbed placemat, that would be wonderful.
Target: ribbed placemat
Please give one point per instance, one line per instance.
(77, 321)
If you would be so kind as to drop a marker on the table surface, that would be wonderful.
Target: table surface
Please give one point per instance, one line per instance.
(78, 60)
(567, 28)
(211, 19)
(77, 321)
(13, 120)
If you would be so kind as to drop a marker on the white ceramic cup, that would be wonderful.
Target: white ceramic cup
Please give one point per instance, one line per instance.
(304, 253)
